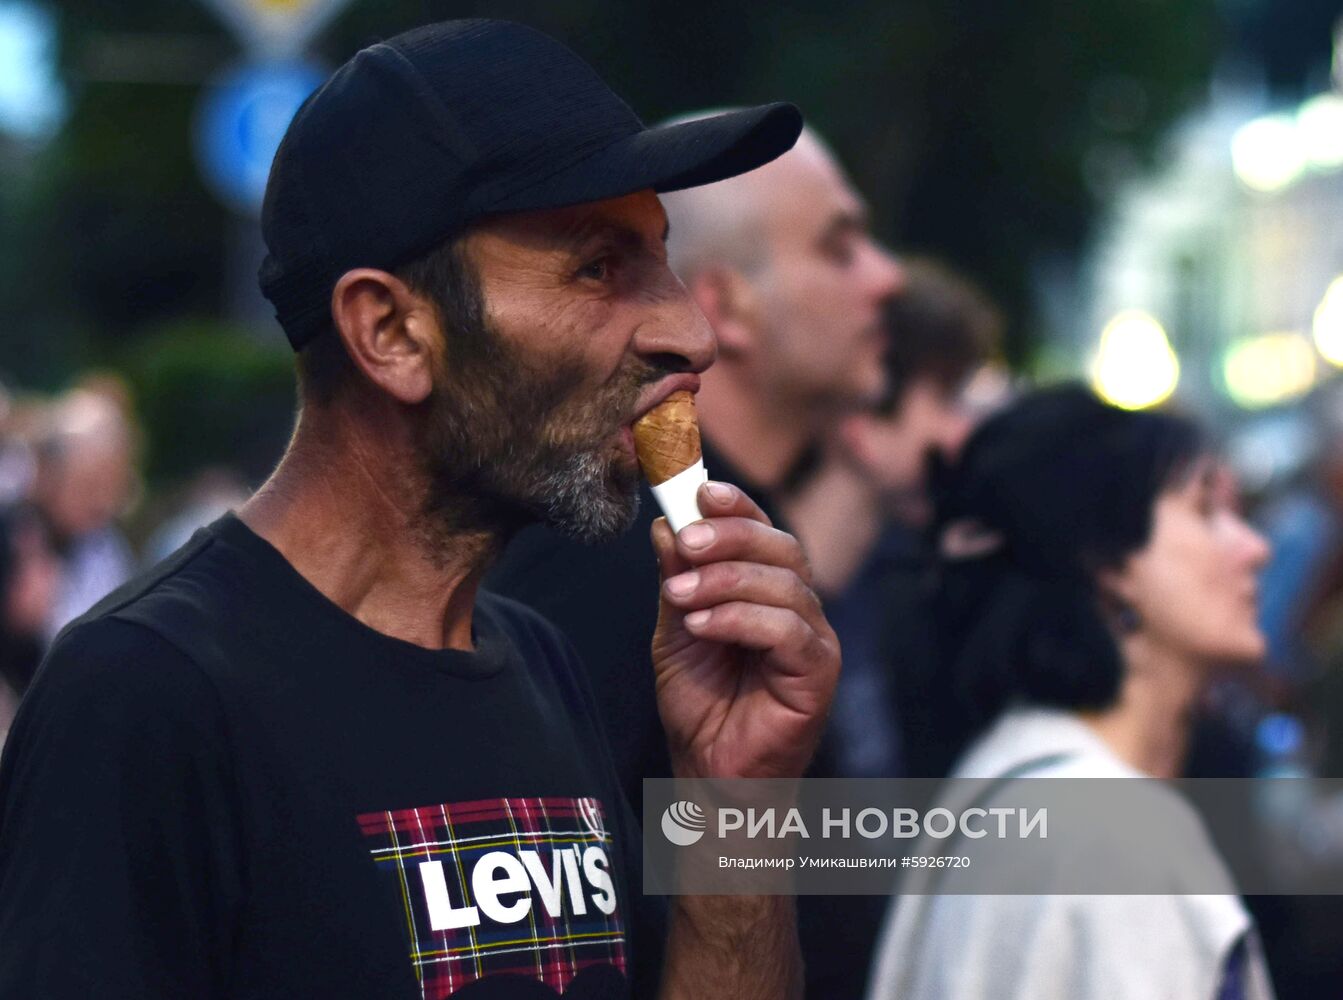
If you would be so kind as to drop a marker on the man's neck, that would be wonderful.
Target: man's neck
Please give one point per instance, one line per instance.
(358, 533)
(837, 517)
(758, 442)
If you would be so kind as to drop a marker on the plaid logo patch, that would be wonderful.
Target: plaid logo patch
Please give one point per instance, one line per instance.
(521, 886)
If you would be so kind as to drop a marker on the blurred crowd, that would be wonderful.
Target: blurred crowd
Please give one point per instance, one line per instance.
(1011, 572)
(72, 498)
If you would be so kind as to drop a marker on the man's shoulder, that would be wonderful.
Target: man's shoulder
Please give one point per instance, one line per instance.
(105, 684)
(108, 653)
(135, 665)
(186, 600)
(145, 639)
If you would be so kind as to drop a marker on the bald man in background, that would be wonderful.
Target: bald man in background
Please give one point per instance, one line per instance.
(781, 262)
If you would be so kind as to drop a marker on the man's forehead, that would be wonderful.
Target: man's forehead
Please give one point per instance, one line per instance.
(639, 216)
(808, 183)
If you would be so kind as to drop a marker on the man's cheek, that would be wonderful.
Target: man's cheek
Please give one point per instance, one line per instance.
(570, 330)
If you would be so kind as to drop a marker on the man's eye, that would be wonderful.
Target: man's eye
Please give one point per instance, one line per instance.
(597, 270)
(1208, 504)
(839, 250)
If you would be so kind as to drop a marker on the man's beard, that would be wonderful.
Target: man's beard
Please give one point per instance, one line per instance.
(504, 444)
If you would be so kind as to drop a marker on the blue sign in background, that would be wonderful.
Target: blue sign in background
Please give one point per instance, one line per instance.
(240, 122)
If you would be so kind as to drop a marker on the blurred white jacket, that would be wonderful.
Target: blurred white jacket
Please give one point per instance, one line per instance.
(1062, 947)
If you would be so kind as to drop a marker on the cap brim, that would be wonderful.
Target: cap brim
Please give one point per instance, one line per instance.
(668, 158)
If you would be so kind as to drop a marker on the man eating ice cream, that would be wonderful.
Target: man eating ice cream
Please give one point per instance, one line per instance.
(305, 756)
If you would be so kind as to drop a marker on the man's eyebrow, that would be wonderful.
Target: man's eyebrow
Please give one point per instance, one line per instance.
(581, 230)
(846, 219)
(592, 228)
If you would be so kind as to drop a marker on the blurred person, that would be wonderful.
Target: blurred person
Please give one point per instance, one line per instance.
(782, 264)
(112, 389)
(1302, 616)
(307, 755)
(942, 331)
(85, 478)
(17, 467)
(860, 514)
(1095, 579)
(210, 494)
(1304, 521)
(29, 582)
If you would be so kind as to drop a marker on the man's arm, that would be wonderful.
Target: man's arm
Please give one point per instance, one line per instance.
(746, 665)
(743, 947)
(119, 858)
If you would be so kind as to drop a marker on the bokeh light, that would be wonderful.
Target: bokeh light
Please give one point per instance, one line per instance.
(1268, 153)
(1269, 369)
(1328, 326)
(32, 102)
(1135, 367)
(1319, 125)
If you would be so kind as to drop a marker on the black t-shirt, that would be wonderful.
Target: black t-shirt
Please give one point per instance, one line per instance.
(222, 785)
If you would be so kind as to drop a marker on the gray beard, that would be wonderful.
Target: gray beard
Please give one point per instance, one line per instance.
(499, 488)
(579, 501)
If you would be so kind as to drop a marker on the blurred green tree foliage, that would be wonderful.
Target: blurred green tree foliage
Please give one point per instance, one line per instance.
(980, 131)
(209, 394)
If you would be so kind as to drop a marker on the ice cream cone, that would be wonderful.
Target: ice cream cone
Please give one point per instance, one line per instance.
(666, 439)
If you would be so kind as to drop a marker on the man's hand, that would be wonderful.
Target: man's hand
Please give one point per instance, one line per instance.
(745, 661)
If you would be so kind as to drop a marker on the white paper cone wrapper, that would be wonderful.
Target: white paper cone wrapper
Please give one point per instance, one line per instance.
(676, 496)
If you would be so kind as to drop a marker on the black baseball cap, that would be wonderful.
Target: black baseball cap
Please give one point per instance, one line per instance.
(420, 135)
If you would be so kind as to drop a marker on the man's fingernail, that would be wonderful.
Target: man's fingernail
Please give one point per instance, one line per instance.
(683, 585)
(697, 535)
(698, 619)
(721, 492)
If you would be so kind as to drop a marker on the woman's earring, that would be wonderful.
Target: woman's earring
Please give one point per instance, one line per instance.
(1127, 619)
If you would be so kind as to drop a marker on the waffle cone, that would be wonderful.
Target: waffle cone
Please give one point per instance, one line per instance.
(666, 438)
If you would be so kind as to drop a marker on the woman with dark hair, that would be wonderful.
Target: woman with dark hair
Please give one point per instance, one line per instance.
(1094, 576)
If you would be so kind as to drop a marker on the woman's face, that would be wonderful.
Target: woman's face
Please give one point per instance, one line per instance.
(1194, 584)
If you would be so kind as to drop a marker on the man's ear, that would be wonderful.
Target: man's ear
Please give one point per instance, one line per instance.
(392, 334)
(731, 304)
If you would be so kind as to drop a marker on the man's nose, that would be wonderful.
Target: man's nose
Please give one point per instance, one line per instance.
(677, 336)
(884, 275)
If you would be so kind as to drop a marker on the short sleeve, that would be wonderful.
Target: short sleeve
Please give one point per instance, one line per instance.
(120, 856)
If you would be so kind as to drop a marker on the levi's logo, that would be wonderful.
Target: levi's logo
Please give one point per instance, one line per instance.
(498, 875)
(519, 886)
